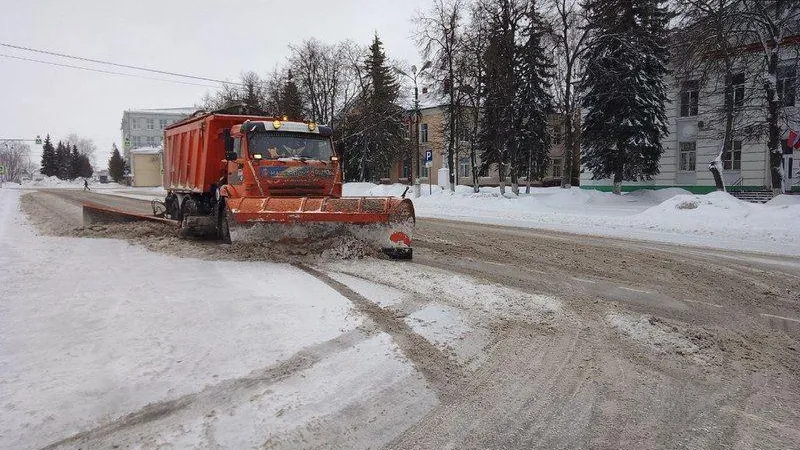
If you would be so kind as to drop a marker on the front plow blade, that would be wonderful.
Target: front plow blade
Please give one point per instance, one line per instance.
(386, 223)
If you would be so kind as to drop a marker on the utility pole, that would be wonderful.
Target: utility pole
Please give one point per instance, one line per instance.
(415, 169)
(415, 163)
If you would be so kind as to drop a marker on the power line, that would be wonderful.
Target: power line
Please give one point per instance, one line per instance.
(97, 61)
(105, 71)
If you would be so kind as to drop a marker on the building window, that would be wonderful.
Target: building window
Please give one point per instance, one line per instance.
(556, 165)
(463, 168)
(137, 141)
(151, 141)
(423, 132)
(556, 134)
(405, 171)
(423, 170)
(737, 83)
(787, 79)
(162, 123)
(733, 160)
(688, 156)
(134, 123)
(151, 124)
(690, 96)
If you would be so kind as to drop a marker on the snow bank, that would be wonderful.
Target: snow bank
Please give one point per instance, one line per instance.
(77, 183)
(784, 200)
(670, 215)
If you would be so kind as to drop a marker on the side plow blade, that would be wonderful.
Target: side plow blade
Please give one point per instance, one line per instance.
(94, 213)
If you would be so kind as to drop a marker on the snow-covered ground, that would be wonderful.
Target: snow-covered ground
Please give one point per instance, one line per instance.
(666, 215)
(94, 329)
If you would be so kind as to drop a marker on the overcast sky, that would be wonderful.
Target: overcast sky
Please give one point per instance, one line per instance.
(215, 39)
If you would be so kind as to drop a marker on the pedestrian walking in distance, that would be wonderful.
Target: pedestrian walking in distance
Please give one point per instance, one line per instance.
(86, 185)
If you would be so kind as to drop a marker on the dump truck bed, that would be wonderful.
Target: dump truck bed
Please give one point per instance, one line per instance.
(194, 150)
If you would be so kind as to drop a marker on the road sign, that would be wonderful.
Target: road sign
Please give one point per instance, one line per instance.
(3, 170)
(429, 164)
(428, 156)
(127, 143)
(38, 140)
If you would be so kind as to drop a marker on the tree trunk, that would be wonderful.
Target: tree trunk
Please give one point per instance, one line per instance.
(528, 174)
(773, 127)
(618, 183)
(473, 154)
(566, 177)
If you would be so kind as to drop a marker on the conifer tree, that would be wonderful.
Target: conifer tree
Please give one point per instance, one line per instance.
(63, 163)
(533, 103)
(290, 103)
(116, 165)
(74, 162)
(49, 160)
(626, 61)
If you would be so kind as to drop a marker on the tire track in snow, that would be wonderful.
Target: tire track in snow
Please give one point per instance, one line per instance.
(444, 375)
(214, 397)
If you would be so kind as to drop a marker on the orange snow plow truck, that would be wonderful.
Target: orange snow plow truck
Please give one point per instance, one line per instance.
(246, 178)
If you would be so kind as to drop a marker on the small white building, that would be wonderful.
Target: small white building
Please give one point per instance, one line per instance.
(146, 166)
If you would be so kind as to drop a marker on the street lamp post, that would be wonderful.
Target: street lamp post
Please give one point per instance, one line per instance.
(415, 163)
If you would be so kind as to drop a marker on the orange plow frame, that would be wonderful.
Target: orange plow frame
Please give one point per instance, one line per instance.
(351, 210)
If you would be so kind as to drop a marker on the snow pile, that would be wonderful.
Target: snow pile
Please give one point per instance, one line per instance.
(57, 183)
(670, 215)
(655, 333)
(785, 200)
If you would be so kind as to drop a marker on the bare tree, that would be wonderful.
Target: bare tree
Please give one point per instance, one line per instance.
(84, 145)
(250, 93)
(439, 36)
(569, 43)
(472, 73)
(709, 47)
(769, 23)
(325, 75)
(15, 158)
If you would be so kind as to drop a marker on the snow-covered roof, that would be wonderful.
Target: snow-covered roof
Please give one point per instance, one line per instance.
(146, 150)
(184, 111)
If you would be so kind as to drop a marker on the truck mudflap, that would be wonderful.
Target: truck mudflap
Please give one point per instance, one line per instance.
(385, 222)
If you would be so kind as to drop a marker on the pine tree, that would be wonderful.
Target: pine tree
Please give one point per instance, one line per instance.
(49, 161)
(376, 130)
(74, 163)
(497, 134)
(290, 102)
(116, 165)
(84, 167)
(533, 102)
(626, 62)
(63, 163)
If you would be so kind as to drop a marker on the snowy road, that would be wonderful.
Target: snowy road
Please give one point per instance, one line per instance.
(492, 338)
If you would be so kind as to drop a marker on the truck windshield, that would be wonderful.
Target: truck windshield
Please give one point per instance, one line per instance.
(277, 145)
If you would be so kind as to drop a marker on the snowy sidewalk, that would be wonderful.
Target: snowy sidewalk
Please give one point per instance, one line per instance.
(675, 216)
(92, 330)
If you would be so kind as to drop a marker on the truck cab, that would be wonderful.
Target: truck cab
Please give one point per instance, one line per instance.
(281, 158)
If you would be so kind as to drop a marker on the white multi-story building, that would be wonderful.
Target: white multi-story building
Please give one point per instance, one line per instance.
(145, 127)
(696, 128)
